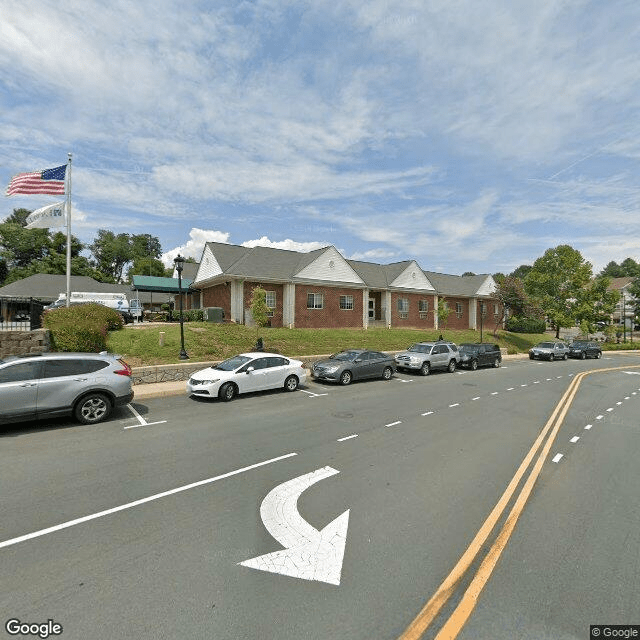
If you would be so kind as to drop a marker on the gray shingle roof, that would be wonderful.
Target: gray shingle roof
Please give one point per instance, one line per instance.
(449, 285)
(47, 287)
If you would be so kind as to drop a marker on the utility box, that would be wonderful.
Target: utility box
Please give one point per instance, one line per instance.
(214, 314)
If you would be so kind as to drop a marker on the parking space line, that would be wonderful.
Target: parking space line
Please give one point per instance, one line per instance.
(354, 435)
(393, 424)
(141, 420)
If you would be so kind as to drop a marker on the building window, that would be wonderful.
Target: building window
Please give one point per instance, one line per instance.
(403, 307)
(315, 301)
(459, 310)
(423, 308)
(346, 303)
(496, 310)
(270, 300)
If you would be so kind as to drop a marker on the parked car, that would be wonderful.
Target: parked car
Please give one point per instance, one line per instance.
(425, 356)
(474, 355)
(549, 351)
(584, 349)
(247, 372)
(85, 385)
(354, 364)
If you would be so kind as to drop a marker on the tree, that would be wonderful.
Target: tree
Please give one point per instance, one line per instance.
(468, 273)
(148, 266)
(595, 303)
(259, 311)
(112, 253)
(443, 312)
(557, 281)
(145, 245)
(511, 297)
(634, 290)
(521, 272)
(628, 268)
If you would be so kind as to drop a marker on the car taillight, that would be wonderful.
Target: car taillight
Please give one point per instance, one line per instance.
(123, 372)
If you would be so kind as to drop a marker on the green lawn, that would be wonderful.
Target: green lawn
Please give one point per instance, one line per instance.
(139, 344)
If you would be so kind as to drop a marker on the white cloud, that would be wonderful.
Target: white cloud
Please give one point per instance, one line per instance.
(194, 247)
(288, 244)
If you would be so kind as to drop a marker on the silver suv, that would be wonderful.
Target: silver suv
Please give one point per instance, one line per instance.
(85, 385)
(425, 356)
(549, 351)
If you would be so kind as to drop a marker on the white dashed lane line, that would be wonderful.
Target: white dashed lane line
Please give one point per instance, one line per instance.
(353, 435)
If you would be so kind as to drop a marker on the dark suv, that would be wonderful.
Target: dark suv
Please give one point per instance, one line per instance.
(480, 354)
(85, 385)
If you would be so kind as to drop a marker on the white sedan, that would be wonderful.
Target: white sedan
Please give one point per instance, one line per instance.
(245, 373)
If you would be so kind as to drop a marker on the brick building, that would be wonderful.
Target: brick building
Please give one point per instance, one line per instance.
(322, 289)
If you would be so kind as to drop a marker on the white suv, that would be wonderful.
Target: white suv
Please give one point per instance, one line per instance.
(85, 385)
(425, 356)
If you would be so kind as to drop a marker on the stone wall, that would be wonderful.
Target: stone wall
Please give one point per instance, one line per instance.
(15, 343)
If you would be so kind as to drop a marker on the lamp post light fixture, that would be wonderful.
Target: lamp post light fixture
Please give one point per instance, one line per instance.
(178, 261)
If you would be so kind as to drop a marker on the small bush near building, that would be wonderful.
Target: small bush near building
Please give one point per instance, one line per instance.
(82, 328)
(525, 325)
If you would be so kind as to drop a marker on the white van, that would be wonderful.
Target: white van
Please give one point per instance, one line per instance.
(117, 301)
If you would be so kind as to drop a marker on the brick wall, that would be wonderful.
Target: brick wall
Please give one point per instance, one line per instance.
(413, 318)
(454, 321)
(330, 316)
(218, 296)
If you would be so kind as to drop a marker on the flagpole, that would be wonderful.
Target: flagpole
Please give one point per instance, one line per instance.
(69, 231)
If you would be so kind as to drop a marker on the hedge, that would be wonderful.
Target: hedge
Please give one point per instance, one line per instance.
(82, 328)
(525, 325)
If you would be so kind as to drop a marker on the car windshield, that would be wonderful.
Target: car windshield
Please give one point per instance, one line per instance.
(345, 355)
(232, 363)
(468, 347)
(420, 348)
(579, 344)
(547, 345)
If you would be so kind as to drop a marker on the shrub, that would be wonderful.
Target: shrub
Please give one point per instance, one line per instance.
(82, 327)
(193, 315)
(525, 325)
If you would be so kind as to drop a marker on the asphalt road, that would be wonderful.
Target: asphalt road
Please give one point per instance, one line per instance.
(137, 528)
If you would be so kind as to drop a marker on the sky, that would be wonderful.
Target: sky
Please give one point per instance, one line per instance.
(469, 135)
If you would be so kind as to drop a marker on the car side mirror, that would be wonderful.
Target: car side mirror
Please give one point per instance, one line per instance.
(358, 360)
(250, 369)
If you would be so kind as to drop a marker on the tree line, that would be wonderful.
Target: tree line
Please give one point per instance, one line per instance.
(561, 289)
(114, 258)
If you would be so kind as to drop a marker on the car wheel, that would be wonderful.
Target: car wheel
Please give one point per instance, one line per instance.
(583, 355)
(598, 355)
(473, 365)
(452, 366)
(565, 357)
(387, 373)
(496, 363)
(345, 378)
(531, 357)
(291, 383)
(425, 369)
(552, 357)
(93, 408)
(227, 391)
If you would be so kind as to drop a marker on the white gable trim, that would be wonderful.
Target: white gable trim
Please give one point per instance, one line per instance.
(330, 266)
(209, 267)
(488, 287)
(413, 277)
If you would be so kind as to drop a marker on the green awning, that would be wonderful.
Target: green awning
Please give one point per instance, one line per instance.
(164, 285)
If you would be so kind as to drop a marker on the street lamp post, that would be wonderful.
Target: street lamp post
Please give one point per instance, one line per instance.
(179, 263)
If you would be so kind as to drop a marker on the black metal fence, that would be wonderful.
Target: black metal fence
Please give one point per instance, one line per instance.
(20, 314)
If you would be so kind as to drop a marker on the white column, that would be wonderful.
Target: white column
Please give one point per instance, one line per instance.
(473, 317)
(289, 305)
(365, 308)
(237, 301)
(387, 308)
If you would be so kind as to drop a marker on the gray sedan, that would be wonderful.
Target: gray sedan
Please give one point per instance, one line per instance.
(354, 364)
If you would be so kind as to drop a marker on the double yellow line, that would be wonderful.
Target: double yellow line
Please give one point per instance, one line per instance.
(459, 617)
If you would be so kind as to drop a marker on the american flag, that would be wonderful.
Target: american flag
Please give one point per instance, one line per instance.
(50, 181)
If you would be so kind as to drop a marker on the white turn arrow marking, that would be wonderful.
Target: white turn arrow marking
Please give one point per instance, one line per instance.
(309, 554)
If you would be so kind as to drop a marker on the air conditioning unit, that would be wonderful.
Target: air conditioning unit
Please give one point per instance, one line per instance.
(214, 314)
